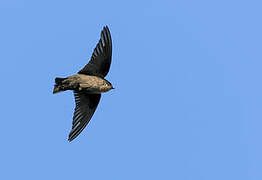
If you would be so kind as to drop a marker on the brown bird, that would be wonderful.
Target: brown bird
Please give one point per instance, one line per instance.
(88, 84)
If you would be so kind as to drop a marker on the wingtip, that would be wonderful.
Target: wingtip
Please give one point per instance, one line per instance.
(71, 138)
(106, 28)
(107, 35)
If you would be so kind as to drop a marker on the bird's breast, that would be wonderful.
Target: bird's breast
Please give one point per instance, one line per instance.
(93, 84)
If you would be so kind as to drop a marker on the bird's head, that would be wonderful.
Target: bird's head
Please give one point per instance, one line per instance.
(108, 85)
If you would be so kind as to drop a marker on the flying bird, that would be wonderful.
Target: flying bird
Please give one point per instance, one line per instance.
(88, 84)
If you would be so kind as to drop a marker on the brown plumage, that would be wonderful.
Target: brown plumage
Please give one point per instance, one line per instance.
(88, 84)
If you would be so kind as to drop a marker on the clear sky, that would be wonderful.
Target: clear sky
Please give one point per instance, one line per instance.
(187, 103)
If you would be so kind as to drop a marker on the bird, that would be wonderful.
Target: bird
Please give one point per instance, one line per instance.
(88, 84)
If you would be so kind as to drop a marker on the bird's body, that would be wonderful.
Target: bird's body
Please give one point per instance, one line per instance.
(88, 84)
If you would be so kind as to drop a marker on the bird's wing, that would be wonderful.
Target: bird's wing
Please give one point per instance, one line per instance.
(85, 107)
(101, 58)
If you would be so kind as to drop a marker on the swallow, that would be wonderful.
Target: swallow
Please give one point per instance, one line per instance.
(88, 84)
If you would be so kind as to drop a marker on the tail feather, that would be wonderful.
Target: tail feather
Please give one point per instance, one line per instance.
(58, 85)
(59, 80)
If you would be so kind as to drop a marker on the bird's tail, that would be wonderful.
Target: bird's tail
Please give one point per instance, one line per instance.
(59, 85)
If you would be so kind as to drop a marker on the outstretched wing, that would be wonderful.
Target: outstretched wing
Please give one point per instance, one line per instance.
(85, 107)
(101, 58)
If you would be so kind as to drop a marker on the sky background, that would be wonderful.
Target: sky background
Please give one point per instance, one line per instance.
(187, 103)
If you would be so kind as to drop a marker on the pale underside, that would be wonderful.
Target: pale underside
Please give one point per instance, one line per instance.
(90, 84)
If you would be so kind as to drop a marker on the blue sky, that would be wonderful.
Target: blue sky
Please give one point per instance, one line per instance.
(187, 103)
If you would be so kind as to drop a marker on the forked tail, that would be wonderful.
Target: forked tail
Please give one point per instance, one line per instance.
(59, 85)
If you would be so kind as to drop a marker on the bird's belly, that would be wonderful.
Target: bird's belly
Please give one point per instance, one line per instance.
(93, 85)
(92, 89)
